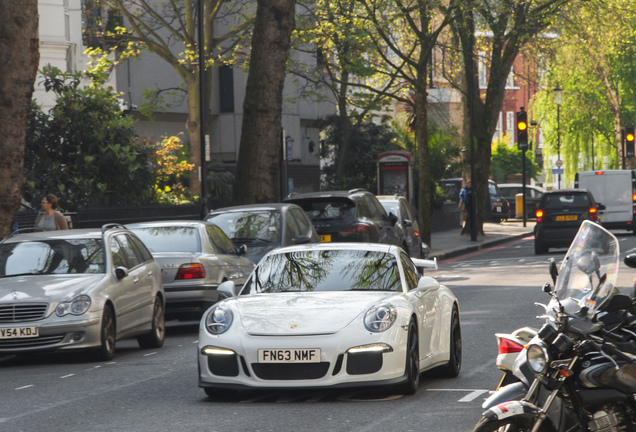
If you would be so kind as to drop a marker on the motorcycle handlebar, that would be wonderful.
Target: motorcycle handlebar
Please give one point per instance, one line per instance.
(611, 349)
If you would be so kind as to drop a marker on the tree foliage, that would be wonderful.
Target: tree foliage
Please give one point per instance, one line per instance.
(84, 150)
(592, 61)
(507, 160)
(361, 171)
(169, 29)
(501, 28)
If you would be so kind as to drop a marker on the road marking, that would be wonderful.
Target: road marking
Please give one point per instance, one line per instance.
(67, 376)
(472, 393)
(149, 354)
(24, 387)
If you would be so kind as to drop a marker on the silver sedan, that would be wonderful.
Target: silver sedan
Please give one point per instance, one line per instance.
(195, 258)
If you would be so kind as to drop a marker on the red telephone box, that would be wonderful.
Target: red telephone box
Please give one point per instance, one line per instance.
(395, 174)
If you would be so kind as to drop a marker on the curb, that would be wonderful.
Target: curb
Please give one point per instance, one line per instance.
(473, 248)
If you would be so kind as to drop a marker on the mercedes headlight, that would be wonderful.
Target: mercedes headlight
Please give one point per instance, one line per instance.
(219, 320)
(77, 306)
(538, 358)
(380, 318)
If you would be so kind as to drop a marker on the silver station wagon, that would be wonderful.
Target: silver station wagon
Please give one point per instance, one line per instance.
(79, 289)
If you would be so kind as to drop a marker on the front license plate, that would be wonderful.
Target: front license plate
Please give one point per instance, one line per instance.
(311, 355)
(564, 218)
(325, 238)
(19, 332)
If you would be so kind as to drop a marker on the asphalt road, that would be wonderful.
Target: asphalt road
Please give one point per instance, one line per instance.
(155, 391)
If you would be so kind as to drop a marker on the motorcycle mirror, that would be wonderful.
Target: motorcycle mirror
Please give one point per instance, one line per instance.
(630, 260)
(554, 272)
(589, 263)
(547, 288)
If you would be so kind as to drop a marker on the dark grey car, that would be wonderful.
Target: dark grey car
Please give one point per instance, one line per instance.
(264, 227)
(345, 216)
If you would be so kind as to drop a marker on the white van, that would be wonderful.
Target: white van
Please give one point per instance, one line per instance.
(616, 190)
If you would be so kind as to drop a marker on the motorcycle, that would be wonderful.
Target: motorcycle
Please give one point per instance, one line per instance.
(577, 373)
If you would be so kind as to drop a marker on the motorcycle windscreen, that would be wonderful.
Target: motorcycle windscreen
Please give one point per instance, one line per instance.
(589, 270)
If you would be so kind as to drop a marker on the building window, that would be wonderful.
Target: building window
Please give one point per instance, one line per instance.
(481, 64)
(226, 89)
(510, 82)
(510, 127)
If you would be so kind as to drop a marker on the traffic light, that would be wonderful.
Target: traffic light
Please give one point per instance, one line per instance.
(522, 130)
(629, 141)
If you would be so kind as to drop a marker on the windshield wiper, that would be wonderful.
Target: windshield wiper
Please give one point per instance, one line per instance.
(21, 274)
(249, 239)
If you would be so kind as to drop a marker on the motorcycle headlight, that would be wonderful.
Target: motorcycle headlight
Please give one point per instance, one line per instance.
(218, 320)
(538, 358)
(380, 318)
(77, 306)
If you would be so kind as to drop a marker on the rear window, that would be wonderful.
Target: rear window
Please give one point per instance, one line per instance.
(566, 201)
(328, 209)
(170, 239)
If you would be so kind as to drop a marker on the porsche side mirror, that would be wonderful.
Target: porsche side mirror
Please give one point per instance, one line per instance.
(427, 283)
(228, 289)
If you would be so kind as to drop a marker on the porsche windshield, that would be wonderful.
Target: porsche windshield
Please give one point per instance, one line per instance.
(52, 256)
(325, 270)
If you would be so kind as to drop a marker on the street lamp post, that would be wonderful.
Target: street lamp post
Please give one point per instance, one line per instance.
(558, 99)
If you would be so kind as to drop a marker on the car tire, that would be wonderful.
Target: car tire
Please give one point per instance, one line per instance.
(539, 248)
(412, 366)
(108, 336)
(156, 336)
(454, 365)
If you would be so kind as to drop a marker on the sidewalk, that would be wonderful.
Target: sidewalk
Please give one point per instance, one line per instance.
(450, 243)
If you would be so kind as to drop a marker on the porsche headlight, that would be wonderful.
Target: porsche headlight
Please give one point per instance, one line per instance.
(77, 306)
(219, 320)
(538, 358)
(380, 318)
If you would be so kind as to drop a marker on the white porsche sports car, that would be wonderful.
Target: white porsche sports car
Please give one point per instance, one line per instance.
(330, 315)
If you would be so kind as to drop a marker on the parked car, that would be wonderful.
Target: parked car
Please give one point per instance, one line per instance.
(496, 206)
(345, 216)
(195, 258)
(411, 241)
(79, 289)
(330, 315)
(263, 227)
(533, 197)
(559, 216)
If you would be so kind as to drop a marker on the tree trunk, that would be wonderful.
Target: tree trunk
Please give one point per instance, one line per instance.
(19, 51)
(258, 173)
(425, 215)
(193, 125)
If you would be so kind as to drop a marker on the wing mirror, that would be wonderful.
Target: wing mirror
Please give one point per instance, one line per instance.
(427, 283)
(242, 249)
(121, 272)
(228, 289)
(554, 272)
(630, 260)
(301, 239)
